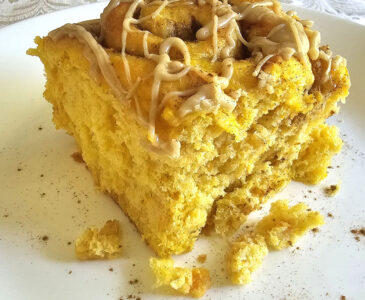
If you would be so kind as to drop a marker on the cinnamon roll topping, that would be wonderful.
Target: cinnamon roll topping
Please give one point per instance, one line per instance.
(260, 27)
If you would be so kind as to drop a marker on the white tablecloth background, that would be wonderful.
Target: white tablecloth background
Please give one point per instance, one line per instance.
(15, 10)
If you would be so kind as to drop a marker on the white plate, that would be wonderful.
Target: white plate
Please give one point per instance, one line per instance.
(330, 261)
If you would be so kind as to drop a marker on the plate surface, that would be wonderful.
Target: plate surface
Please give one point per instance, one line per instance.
(45, 193)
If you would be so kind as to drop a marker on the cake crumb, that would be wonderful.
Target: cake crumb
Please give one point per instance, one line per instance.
(77, 157)
(245, 256)
(283, 226)
(202, 258)
(332, 190)
(193, 282)
(70, 272)
(99, 244)
(111, 269)
(45, 238)
(280, 229)
(40, 127)
(343, 297)
(330, 215)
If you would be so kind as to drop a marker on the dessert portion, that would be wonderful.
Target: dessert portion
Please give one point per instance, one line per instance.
(191, 282)
(104, 243)
(194, 113)
(280, 229)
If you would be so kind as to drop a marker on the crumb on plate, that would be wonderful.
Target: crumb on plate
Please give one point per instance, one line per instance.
(99, 244)
(245, 256)
(283, 226)
(280, 229)
(192, 282)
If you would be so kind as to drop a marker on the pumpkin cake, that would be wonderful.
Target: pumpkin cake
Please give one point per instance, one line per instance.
(193, 113)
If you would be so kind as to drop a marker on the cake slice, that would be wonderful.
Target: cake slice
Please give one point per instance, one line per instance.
(194, 114)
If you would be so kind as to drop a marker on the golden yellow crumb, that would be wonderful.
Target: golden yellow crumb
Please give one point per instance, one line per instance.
(192, 282)
(245, 256)
(279, 229)
(284, 225)
(332, 190)
(99, 244)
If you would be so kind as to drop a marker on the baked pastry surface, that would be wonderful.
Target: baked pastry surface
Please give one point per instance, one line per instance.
(192, 114)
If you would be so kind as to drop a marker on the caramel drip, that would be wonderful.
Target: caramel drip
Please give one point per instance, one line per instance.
(133, 88)
(265, 82)
(215, 38)
(166, 70)
(260, 64)
(314, 42)
(199, 101)
(205, 32)
(208, 97)
(227, 50)
(253, 13)
(327, 58)
(227, 72)
(126, 28)
(211, 96)
(99, 58)
(173, 94)
(288, 37)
